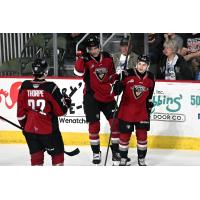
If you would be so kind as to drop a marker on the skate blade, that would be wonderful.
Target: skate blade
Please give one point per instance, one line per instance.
(96, 164)
(116, 163)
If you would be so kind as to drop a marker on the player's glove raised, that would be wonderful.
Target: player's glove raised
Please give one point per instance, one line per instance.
(80, 54)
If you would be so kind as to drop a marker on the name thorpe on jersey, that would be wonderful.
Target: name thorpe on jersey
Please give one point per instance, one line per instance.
(8, 100)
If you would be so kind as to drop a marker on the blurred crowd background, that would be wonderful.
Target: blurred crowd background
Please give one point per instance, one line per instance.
(174, 56)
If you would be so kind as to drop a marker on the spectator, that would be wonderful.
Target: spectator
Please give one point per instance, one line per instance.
(172, 65)
(155, 42)
(120, 57)
(177, 38)
(191, 50)
(137, 41)
(72, 40)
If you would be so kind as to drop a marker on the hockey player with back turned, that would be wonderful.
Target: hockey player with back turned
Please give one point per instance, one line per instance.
(38, 107)
(137, 85)
(96, 67)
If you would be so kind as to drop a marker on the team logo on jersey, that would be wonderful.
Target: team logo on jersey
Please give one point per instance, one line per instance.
(138, 90)
(101, 73)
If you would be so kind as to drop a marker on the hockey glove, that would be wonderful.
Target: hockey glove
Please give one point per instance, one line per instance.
(150, 105)
(68, 101)
(118, 87)
(80, 54)
(22, 123)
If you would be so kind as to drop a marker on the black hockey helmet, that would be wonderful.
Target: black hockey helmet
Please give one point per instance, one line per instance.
(39, 66)
(93, 41)
(144, 58)
(124, 41)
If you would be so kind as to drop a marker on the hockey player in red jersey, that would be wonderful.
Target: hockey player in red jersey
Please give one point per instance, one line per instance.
(96, 67)
(38, 107)
(137, 85)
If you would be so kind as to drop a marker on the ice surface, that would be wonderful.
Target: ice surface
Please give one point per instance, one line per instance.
(18, 155)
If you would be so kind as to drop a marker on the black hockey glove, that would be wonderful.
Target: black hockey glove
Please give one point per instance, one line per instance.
(22, 123)
(68, 101)
(118, 87)
(150, 105)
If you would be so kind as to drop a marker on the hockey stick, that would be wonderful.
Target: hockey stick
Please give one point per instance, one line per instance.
(4, 119)
(116, 106)
(72, 153)
(69, 153)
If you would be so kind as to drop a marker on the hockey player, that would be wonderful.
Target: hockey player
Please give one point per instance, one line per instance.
(137, 85)
(38, 107)
(96, 67)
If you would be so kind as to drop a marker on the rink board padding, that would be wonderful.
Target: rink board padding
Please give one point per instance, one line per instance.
(81, 139)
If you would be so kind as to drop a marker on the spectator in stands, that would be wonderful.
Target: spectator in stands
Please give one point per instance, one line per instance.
(72, 40)
(70, 53)
(155, 42)
(177, 38)
(191, 50)
(120, 57)
(172, 65)
(155, 46)
(137, 43)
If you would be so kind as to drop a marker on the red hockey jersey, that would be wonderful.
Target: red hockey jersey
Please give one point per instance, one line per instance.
(137, 91)
(39, 103)
(96, 75)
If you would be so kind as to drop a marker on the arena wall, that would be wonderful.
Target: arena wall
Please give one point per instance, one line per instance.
(175, 119)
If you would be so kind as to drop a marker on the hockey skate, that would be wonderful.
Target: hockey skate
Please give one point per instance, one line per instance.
(141, 162)
(116, 157)
(124, 162)
(96, 158)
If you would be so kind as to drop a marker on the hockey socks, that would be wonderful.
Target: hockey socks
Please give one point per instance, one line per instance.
(141, 135)
(114, 125)
(94, 128)
(124, 144)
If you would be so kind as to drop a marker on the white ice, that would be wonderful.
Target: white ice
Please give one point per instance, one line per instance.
(18, 155)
